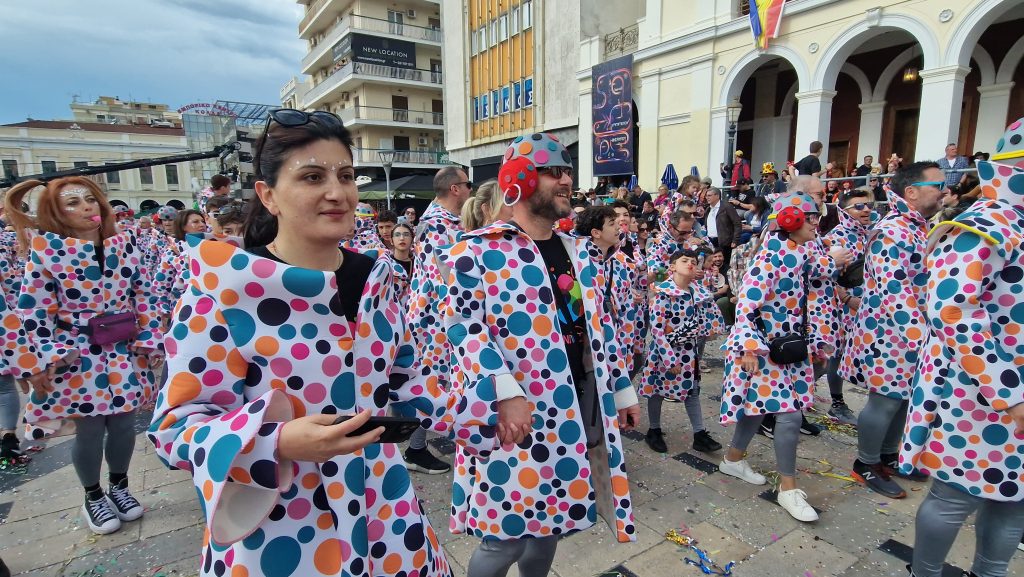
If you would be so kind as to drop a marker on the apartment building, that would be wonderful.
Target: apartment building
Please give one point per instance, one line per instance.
(378, 66)
(111, 110)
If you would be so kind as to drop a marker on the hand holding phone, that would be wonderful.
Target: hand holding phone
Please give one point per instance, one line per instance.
(396, 429)
(317, 439)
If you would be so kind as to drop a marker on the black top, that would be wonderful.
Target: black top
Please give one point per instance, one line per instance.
(407, 265)
(808, 165)
(637, 202)
(352, 277)
(569, 302)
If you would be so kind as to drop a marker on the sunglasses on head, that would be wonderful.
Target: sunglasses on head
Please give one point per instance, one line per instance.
(290, 118)
(556, 171)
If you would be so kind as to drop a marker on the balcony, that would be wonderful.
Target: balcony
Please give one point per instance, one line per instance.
(353, 73)
(311, 13)
(397, 117)
(621, 43)
(403, 158)
(321, 54)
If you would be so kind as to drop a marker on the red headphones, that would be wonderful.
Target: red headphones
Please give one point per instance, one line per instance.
(790, 219)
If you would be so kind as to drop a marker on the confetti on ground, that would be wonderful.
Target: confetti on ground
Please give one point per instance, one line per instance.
(774, 537)
(882, 511)
(833, 425)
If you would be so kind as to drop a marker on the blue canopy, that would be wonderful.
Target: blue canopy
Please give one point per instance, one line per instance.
(669, 178)
(694, 171)
(632, 183)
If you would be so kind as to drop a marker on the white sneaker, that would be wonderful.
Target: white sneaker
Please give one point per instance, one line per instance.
(741, 470)
(795, 502)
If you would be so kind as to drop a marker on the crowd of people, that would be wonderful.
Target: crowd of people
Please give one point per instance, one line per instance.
(523, 321)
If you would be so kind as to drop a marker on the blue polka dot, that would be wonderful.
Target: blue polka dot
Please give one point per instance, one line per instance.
(303, 282)
(242, 325)
(493, 260)
(563, 397)
(355, 477)
(567, 468)
(343, 391)
(995, 434)
(222, 453)
(491, 360)
(240, 261)
(253, 541)
(569, 432)
(557, 361)
(533, 276)
(498, 472)
(520, 323)
(513, 525)
(396, 483)
(383, 328)
(306, 534)
(359, 539)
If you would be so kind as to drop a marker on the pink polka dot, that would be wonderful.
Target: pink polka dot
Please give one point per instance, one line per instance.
(263, 267)
(298, 509)
(212, 378)
(402, 508)
(223, 398)
(239, 422)
(299, 305)
(314, 392)
(254, 290)
(300, 351)
(331, 366)
(364, 367)
(281, 367)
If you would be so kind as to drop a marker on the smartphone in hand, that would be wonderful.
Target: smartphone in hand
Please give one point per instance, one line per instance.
(396, 429)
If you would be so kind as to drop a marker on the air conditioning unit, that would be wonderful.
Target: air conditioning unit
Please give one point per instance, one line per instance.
(421, 141)
(344, 96)
(411, 13)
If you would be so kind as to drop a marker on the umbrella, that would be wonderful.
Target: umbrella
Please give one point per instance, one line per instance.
(632, 183)
(669, 178)
(694, 171)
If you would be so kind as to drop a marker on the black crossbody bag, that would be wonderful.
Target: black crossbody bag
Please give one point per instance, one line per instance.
(791, 348)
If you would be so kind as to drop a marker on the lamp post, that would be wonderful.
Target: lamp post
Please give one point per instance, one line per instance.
(386, 159)
(732, 112)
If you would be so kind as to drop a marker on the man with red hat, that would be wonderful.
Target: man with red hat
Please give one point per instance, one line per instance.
(542, 394)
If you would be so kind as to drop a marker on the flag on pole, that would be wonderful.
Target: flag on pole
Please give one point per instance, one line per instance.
(765, 20)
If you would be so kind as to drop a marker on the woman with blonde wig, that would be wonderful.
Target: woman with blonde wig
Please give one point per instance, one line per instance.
(485, 207)
(88, 315)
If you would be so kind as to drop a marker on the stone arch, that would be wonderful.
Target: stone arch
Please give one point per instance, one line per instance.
(890, 72)
(740, 72)
(1010, 62)
(986, 67)
(840, 49)
(860, 78)
(789, 102)
(976, 20)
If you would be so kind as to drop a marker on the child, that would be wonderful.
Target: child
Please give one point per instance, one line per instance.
(683, 311)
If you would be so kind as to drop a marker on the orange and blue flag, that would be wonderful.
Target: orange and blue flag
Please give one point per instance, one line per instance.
(765, 19)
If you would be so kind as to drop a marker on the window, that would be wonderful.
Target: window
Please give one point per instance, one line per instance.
(49, 166)
(81, 163)
(483, 38)
(495, 103)
(146, 175)
(503, 27)
(514, 20)
(172, 174)
(476, 116)
(494, 32)
(113, 177)
(474, 43)
(10, 168)
(527, 14)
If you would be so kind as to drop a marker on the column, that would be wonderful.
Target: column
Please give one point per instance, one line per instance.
(870, 140)
(942, 92)
(717, 142)
(813, 121)
(993, 107)
(646, 164)
(649, 25)
(586, 177)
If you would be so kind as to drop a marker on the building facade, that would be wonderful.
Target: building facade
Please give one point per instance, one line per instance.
(510, 69)
(45, 146)
(111, 110)
(377, 66)
(864, 77)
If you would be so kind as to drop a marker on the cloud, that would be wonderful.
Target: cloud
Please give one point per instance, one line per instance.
(170, 51)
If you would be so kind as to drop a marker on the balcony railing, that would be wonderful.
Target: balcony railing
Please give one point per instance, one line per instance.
(370, 156)
(375, 113)
(311, 13)
(622, 42)
(375, 70)
(356, 22)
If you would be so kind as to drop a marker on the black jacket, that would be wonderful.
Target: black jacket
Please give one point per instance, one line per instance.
(729, 224)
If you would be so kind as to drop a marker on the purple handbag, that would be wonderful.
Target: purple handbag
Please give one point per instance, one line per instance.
(112, 328)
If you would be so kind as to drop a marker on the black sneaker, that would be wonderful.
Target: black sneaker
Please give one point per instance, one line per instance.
(767, 427)
(892, 466)
(809, 428)
(126, 507)
(656, 441)
(704, 443)
(876, 478)
(423, 461)
(842, 413)
(10, 448)
(4, 571)
(99, 514)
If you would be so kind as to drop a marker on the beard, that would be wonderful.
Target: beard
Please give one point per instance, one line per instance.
(544, 204)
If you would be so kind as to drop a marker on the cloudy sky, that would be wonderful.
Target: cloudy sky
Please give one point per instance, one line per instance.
(164, 51)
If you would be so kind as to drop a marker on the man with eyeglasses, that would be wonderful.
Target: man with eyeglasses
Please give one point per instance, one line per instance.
(546, 394)
(884, 345)
(677, 235)
(439, 229)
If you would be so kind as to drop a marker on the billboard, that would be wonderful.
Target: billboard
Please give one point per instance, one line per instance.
(612, 104)
(385, 51)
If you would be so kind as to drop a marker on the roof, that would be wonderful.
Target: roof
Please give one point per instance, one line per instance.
(97, 127)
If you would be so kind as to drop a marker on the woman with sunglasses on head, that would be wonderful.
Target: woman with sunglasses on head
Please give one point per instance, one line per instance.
(777, 303)
(87, 310)
(269, 346)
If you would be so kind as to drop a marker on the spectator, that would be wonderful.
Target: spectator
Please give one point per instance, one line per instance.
(592, 199)
(213, 206)
(649, 214)
(810, 165)
(865, 169)
(723, 224)
(386, 221)
(408, 217)
(742, 196)
(959, 197)
(770, 183)
(691, 188)
(754, 219)
(875, 184)
(220, 185)
(620, 193)
(231, 220)
(740, 169)
(485, 207)
(832, 191)
(637, 200)
(894, 163)
(952, 164)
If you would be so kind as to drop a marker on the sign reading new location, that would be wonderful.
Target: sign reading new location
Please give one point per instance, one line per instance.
(385, 51)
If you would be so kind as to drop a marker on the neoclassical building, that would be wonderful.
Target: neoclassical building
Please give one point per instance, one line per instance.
(864, 77)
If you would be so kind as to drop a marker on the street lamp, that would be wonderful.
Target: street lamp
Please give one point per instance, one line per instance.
(732, 113)
(386, 159)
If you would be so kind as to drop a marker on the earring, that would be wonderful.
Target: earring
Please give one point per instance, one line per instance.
(518, 197)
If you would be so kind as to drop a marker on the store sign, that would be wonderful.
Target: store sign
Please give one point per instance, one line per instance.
(612, 105)
(385, 51)
(206, 109)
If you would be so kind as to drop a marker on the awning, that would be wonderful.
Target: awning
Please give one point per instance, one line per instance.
(415, 186)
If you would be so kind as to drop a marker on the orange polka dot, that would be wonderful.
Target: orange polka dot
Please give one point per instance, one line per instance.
(620, 486)
(229, 297)
(183, 388)
(240, 475)
(542, 325)
(208, 490)
(216, 353)
(930, 461)
(336, 490)
(239, 571)
(528, 478)
(525, 148)
(973, 364)
(210, 280)
(311, 481)
(913, 334)
(215, 253)
(579, 489)
(325, 522)
(267, 346)
(419, 558)
(197, 324)
(237, 364)
(384, 513)
(950, 314)
(327, 557)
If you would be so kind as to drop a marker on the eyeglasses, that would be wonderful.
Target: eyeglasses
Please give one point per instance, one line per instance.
(812, 217)
(859, 206)
(557, 171)
(685, 232)
(643, 230)
(401, 235)
(289, 117)
(468, 183)
(939, 184)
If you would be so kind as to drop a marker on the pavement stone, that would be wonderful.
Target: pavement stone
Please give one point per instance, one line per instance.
(800, 554)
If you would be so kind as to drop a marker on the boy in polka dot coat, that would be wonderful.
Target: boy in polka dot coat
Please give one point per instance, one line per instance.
(966, 422)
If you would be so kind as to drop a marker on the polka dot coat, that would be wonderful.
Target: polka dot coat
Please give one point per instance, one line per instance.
(438, 230)
(366, 237)
(884, 344)
(853, 236)
(18, 355)
(12, 267)
(170, 275)
(678, 317)
(254, 344)
(502, 321)
(771, 305)
(64, 281)
(622, 274)
(972, 362)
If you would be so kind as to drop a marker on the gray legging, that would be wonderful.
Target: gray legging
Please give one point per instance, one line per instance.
(880, 428)
(418, 440)
(998, 526)
(494, 558)
(830, 369)
(88, 451)
(692, 404)
(10, 403)
(787, 435)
